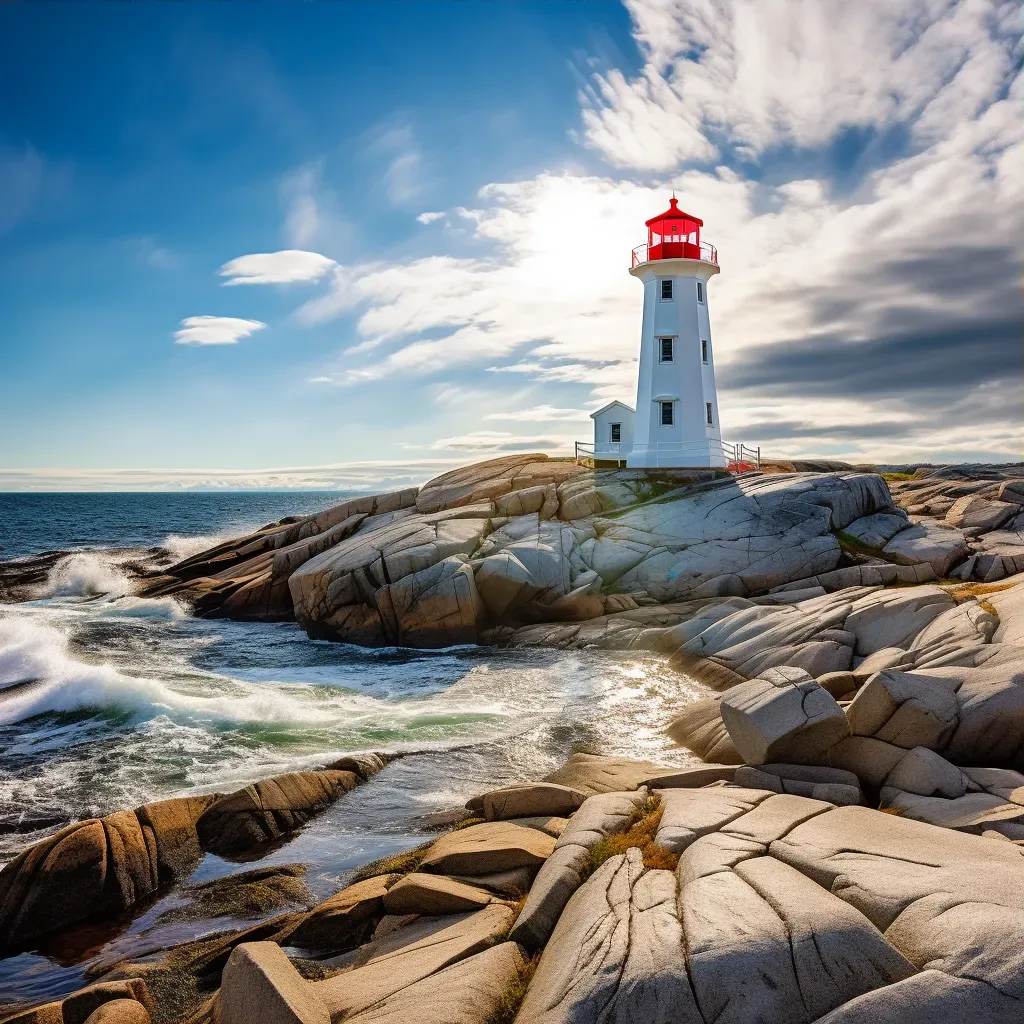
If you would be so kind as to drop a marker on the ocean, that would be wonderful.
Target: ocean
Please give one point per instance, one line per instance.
(135, 700)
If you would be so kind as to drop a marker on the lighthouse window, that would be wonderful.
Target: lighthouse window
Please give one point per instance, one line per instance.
(666, 289)
(616, 432)
(666, 414)
(700, 291)
(711, 421)
(704, 351)
(666, 350)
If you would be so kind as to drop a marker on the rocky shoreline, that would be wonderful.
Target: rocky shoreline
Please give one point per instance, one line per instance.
(852, 848)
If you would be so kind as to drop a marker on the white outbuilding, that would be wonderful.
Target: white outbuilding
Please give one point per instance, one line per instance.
(613, 431)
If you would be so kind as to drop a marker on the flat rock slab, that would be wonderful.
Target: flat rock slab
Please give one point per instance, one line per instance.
(465, 993)
(593, 773)
(794, 912)
(368, 986)
(486, 848)
(688, 814)
(421, 893)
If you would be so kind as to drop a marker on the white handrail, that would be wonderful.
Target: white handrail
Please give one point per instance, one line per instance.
(737, 453)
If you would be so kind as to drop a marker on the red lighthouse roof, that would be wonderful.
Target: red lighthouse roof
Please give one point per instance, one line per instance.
(674, 234)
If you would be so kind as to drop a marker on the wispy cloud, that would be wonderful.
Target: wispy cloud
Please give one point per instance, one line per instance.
(484, 441)
(429, 216)
(286, 267)
(28, 183)
(371, 476)
(403, 172)
(215, 330)
(539, 414)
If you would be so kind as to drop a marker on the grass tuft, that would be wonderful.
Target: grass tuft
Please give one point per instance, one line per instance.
(897, 477)
(467, 823)
(513, 996)
(401, 863)
(639, 833)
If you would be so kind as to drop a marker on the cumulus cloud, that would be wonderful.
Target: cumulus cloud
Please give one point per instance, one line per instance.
(285, 267)
(429, 216)
(215, 330)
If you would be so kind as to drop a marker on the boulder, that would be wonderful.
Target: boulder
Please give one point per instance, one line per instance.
(976, 515)
(119, 1011)
(699, 728)
(542, 499)
(833, 785)
(905, 709)
(871, 760)
(693, 778)
(528, 799)
(269, 809)
(486, 848)
(421, 893)
(783, 715)
(1012, 491)
(940, 546)
(261, 986)
(1001, 554)
(924, 772)
(100, 865)
(342, 918)
(875, 531)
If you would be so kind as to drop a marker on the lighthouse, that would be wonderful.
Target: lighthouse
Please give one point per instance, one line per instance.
(675, 423)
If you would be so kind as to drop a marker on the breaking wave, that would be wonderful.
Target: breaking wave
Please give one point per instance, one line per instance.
(87, 574)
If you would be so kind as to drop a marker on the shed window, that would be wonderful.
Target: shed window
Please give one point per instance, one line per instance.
(666, 350)
(700, 291)
(616, 433)
(711, 420)
(666, 289)
(704, 351)
(666, 414)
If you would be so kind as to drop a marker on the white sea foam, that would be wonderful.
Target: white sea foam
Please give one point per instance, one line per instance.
(181, 547)
(87, 574)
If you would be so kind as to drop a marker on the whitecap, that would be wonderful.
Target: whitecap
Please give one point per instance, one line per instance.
(87, 574)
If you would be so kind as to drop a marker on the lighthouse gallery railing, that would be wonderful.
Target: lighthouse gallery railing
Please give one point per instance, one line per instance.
(740, 458)
(708, 253)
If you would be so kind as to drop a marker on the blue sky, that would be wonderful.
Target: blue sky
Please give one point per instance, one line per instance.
(344, 244)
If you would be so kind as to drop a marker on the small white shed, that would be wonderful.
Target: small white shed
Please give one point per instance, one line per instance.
(613, 431)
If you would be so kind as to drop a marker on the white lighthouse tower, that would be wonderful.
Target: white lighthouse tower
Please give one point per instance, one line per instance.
(676, 419)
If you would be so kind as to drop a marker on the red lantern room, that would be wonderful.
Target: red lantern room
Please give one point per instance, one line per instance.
(674, 235)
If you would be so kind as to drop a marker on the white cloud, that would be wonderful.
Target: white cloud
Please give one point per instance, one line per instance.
(403, 173)
(286, 267)
(368, 476)
(539, 414)
(430, 216)
(484, 441)
(215, 330)
(756, 75)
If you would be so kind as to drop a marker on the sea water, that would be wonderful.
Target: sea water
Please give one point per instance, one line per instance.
(135, 700)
